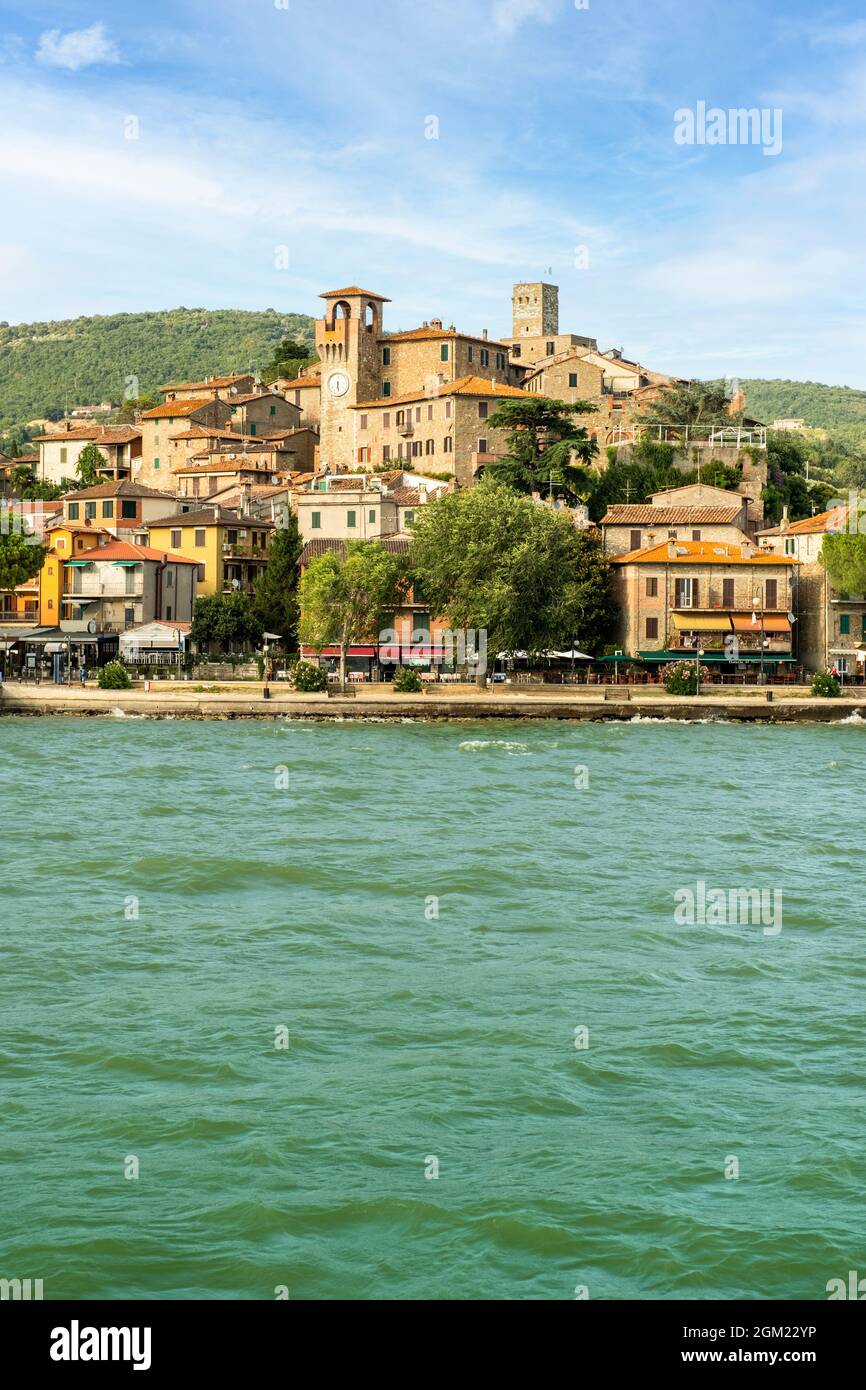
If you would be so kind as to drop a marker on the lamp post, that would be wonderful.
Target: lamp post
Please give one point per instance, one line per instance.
(698, 655)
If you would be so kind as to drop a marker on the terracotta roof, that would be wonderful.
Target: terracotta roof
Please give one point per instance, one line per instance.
(204, 516)
(125, 550)
(700, 553)
(91, 530)
(215, 381)
(259, 396)
(420, 335)
(302, 382)
(645, 515)
(171, 408)
(124, 488)
(105, 434)
(463, 386)
(835, 519)
(212, 432)
(353, 289)
(398, 545)
(238, 465)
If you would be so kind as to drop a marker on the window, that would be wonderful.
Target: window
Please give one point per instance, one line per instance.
(430, 446)
(483, 410)
(408, 517)
(500, 361)
(199, 574)
(844, 624)
(273, 410)
(448, 445)
(386, 453)
(482, 446)
(470, 354)
(416, 448)
(515, 349)
(129, 616)
(652, 628)
(129, 575)
(156, 463)
(363, 422)
(168, 613)
(169, 579)
(386, 357)
(371, 514)
(400, 417)
(386, 388)
(351, 519)
(316, 521)
(90, 511)
(686, 593)
(364, 454)
(443, 352)
(448, 405)
(550, 348)
(572, 378)
(771, 594)
(199, 539)
(63, 452)
(252, 429)
(108, 509)
(652, 588)
(72, 511)
(429, 412)
(386, 420)
(696, 535)
(127, 509)
(863, 627)
(485, 357)
(727, 593)
(175, 540)
(634, 540)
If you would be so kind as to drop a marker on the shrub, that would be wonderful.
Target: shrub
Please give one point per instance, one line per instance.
(680, 677)
(407, 681)
(260, 664)
(309, 677)
(826, 685)
(114, 676)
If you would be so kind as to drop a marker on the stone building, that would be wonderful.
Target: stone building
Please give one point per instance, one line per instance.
(59, 450)
(695, 513)
(730, 601)
(535, 325)
(160, 427)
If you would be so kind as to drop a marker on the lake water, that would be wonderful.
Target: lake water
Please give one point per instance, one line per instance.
(424, 916)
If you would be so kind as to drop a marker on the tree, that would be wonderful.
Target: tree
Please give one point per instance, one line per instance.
(20, 557)
(133, 406)
(543, 442)
(90, 461)
(288, 360)
(514, 568)
(692, 403)
(344, 594)
(275, 601)
(225, 620)
(21, 479)
(843, 556)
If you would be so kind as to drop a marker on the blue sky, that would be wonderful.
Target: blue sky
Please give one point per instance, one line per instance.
(282, 150)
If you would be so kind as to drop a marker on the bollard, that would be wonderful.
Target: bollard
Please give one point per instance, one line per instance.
(769, 696)
(266, 694)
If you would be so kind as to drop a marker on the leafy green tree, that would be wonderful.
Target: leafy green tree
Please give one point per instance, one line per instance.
(843, 556)
(490, 560)
(224, 621)
(275, 601)
(20, 558)
(133, 406)
(21, 478)
(344, 594)
(543, 444)
(90, 461)
(289, 360)
(114, 676)
(695, 403)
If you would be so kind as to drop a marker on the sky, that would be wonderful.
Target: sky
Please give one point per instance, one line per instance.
(218, 154)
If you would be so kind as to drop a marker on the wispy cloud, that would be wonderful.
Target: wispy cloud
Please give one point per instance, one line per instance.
(508, 15)
(77, 48)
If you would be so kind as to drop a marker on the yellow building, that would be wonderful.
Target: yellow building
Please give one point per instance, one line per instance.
(65, 542)
(231, 550)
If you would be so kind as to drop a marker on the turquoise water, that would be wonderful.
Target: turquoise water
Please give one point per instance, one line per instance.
(413, 1037)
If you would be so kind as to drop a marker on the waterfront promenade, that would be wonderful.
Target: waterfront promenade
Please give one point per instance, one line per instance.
(239, 700)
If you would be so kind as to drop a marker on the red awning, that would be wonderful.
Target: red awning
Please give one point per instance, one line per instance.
(335, 651)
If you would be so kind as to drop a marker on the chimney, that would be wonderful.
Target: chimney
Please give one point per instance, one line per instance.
(783, 524)
(484, 334)
(435, 323)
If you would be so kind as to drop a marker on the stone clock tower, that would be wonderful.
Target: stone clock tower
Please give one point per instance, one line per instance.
(347, 340)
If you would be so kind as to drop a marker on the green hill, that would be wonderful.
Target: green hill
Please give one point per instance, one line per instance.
(50, 367)
(835, 408)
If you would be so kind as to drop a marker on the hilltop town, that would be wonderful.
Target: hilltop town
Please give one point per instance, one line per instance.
(143, 521)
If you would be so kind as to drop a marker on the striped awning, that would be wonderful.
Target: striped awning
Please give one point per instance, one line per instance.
(702, 622)
(770, 622)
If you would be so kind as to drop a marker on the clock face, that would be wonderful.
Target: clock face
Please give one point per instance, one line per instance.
(338, 383)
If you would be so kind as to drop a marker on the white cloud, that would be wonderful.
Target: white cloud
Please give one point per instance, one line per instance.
(508, 15)
(79, 48)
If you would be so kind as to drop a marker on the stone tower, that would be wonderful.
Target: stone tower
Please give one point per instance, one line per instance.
(535, 309)
(347, 340)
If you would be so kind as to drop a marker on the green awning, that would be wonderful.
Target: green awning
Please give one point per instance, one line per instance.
(69, 563)
(125, 564)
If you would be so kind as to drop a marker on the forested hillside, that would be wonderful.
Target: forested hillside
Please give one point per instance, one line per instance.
(47, 368)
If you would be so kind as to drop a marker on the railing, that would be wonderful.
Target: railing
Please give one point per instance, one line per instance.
(698, 436)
